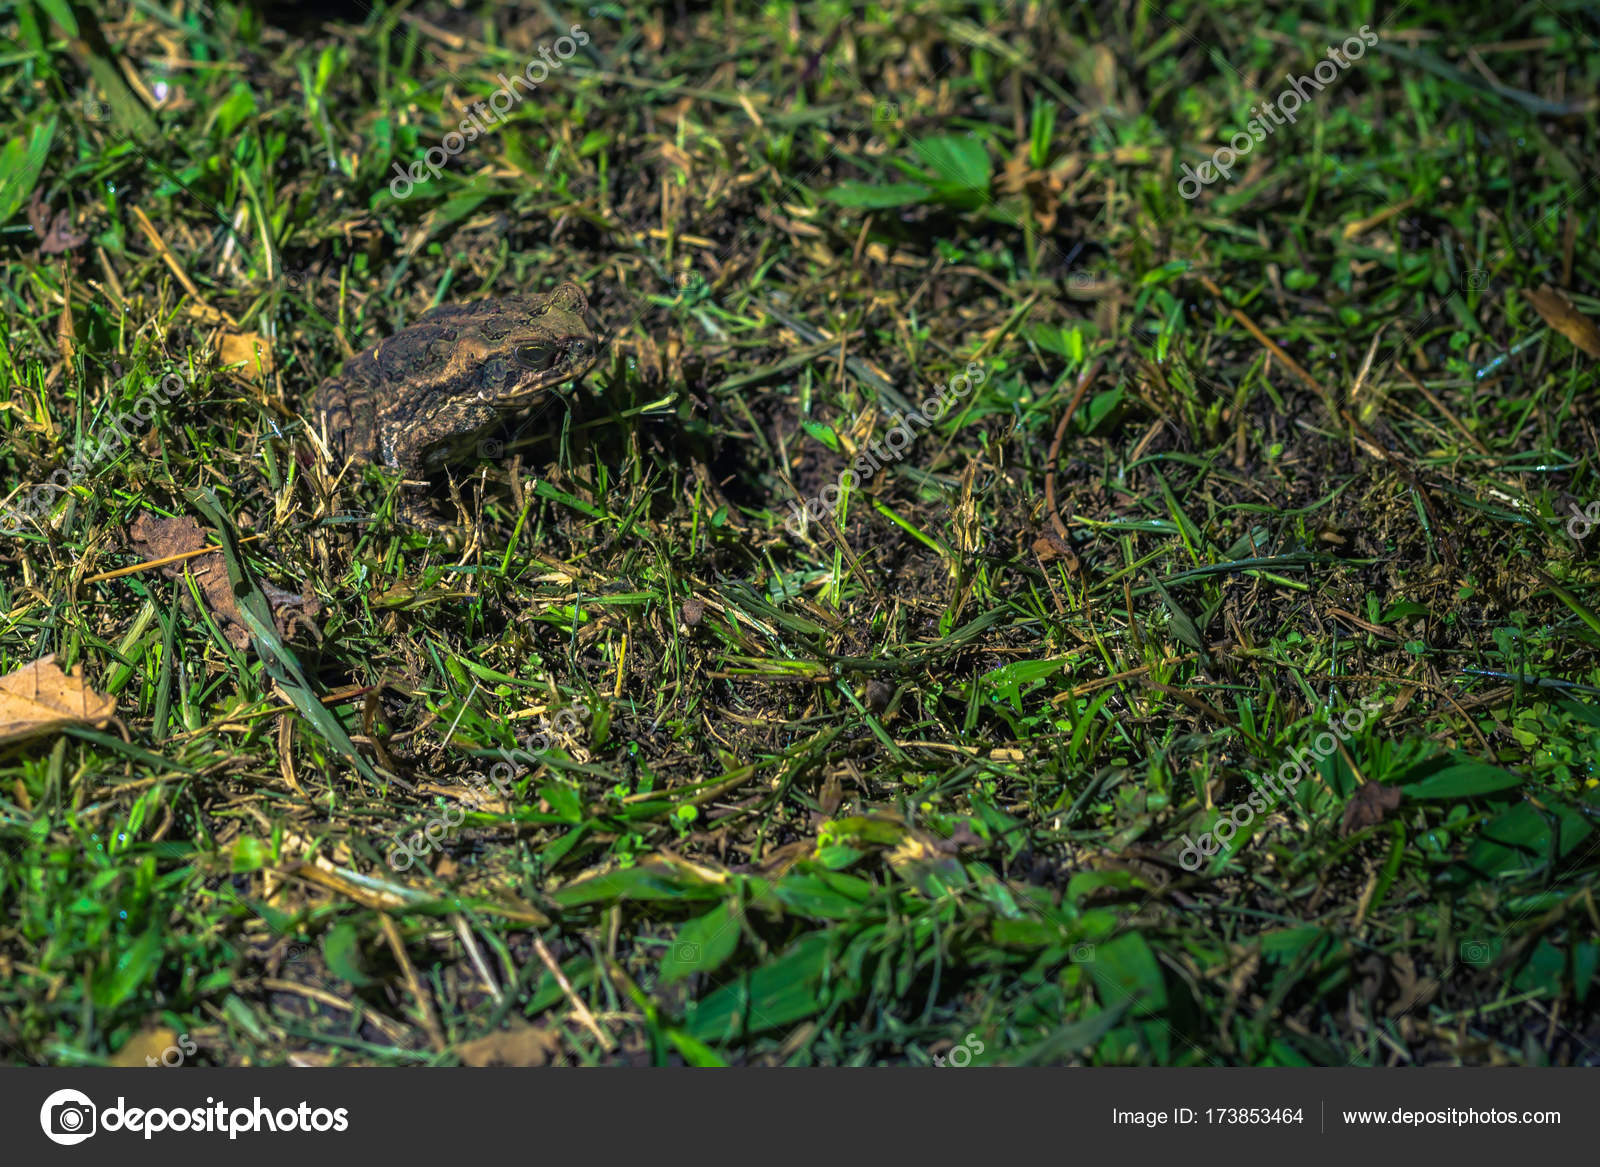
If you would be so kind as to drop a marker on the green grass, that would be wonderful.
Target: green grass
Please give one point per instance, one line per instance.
(921, 773)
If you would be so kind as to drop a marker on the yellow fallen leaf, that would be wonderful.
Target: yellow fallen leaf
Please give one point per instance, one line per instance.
(925, 867)
(39, 699)
(913, 850)
(528, 1046)
(1559, 314)
(249, 348)
(150, 1043)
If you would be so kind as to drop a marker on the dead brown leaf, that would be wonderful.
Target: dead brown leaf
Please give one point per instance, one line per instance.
(1391, 978)
(1560, 314)
(1050, 546)
(1413, 991)
(39, 699)
(54, 231)
(1042, 188)
(1368, 805)
(530, 1045)
(155, 537)
(831, 796)
(1103, 72)
(249, 348)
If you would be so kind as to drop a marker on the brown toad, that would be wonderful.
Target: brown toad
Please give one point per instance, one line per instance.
(427, 394)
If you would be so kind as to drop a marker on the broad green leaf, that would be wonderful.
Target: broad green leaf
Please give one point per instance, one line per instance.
(1040, 133)
(1070, 1041)
(881, 831)
(1401, 610)
(240, 1014)
(1125, 970)
(645, 882)
(60, 11)
(249, 854)
(822, 432)
(1025, 933)
(994, 893)
(959, 169)
(837, 856)
(1009, 680)
(703, 945)
(1587, 714)
(552, 854)
(136, 964)
(1086, 883)
(1579, 608)
(1102, 404)
(565, 802)
(829, 896)
(771, 997)
(696, 1053)
(457, 208)
(1464, 779)
(1585, 958)
(1542, 971)
(341, 948)
(237, 108)
(1520, 838)
(20, 165)
(878, 196)
(328, 68)
(1053, 338)
(1285, 945)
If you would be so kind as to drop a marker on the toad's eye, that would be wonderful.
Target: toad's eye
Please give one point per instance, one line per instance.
(537, 357)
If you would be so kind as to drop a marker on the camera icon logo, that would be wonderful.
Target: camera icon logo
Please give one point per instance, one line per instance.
(68, 1117)
(685, 952)
(885, 113)
(1480, 951)
(961, 1055)
(491, 448)
(1477, 278)
(1083, 953)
